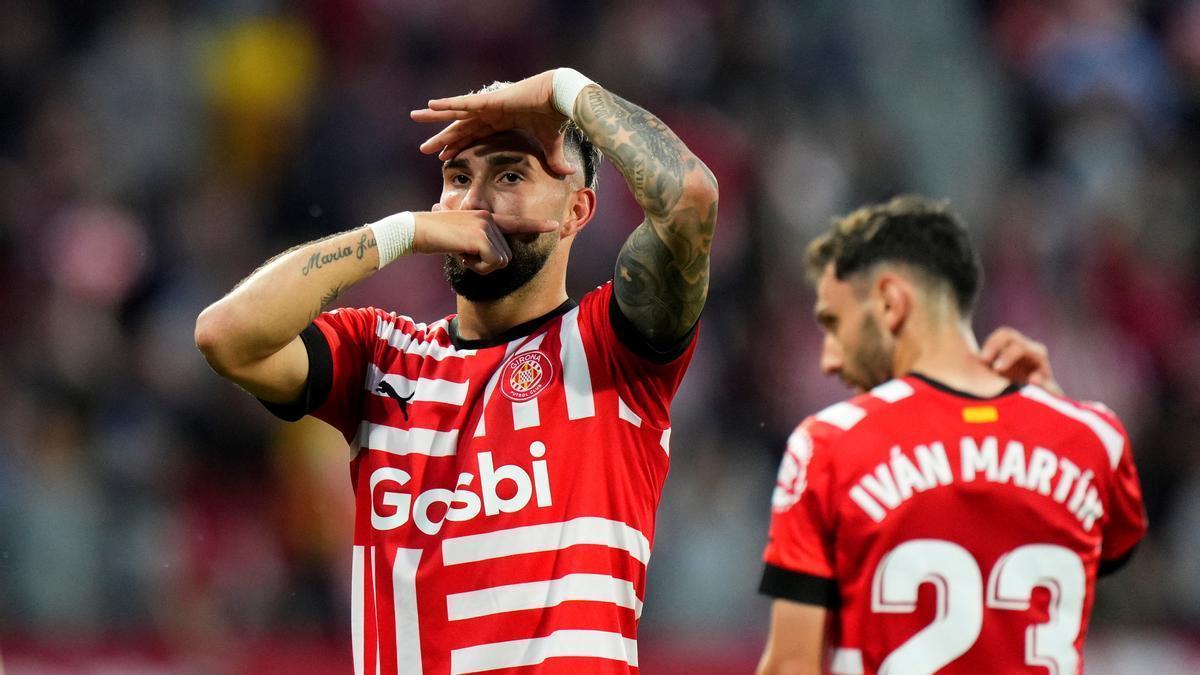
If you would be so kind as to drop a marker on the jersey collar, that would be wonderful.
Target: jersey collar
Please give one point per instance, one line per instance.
(518, 331)
(1012, 388)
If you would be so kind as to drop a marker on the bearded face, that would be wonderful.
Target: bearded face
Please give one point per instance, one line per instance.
(868, 363)
(527, 260)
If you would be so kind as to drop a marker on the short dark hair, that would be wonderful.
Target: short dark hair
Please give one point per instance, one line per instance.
(589, 156)
(910, 230)
(574, 138)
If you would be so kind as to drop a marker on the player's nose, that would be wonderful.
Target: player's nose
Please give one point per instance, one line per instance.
(477, 198)
(831, 357)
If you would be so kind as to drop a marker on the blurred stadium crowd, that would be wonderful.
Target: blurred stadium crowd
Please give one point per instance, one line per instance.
(152, 153)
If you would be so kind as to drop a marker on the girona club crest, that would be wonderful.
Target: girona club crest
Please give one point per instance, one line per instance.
(526, 375)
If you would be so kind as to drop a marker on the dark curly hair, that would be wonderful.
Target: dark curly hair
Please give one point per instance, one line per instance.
(910, 230)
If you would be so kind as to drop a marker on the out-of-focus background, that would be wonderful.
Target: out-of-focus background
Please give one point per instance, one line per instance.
(152, 153)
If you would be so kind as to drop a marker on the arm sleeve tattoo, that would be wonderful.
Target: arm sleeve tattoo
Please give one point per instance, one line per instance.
(661, 276)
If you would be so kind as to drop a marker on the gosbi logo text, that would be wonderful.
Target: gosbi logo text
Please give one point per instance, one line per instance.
(526, 375)
(391, 506)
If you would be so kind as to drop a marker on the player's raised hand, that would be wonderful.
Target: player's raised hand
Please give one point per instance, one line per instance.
(1019, 358)
(526, 105)
(476, 236)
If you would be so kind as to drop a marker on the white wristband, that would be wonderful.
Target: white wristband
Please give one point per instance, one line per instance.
(394, 235)
(567, 85)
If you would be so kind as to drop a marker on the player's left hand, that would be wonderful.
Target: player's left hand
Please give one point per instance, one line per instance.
(1019, 358)
(527, 105)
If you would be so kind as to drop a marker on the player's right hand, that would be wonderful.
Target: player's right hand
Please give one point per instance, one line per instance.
(526, 105)
(476, 237)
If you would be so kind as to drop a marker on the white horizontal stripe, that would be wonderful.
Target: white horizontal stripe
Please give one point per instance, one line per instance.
(540, 594)
(547, 537)
(415, 441)
(846, 661)
(895, 390)
(577, 379)
(843, 415)
(626, 414)
(517, 653)
(423, 389)
(1110, 438)
(665, 441)
(407, 342)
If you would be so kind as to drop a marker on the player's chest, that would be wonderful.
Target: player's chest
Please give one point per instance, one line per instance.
(472, 438)
(534, 382)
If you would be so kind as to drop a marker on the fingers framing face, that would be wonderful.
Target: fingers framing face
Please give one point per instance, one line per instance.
(467, 129)
(428, 115)
(467, 102)
(519, 225)
(456, 136)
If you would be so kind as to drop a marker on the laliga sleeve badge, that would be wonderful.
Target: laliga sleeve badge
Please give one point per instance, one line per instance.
(525, 375)
(793, 471)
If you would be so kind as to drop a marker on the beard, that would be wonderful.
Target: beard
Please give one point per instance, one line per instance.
(528, 258)
(870, 365)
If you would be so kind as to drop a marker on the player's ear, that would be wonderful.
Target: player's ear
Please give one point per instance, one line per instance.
(895, 301)
(581, 206)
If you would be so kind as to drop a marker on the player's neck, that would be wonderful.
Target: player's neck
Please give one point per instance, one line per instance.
(949, 354)
(484, 320)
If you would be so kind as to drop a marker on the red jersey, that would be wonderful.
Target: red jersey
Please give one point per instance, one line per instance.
(952, 534)
(505, 491)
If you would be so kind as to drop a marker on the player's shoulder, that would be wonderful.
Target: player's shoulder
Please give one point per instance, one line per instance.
(591, 308)
(1091, 419)
(390, 323)
(387, 326)
(847, 417)
(1070, 407)
(599, 297)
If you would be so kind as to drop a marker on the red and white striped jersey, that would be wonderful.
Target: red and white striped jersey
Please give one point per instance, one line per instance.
(505, 491)
(953, 534)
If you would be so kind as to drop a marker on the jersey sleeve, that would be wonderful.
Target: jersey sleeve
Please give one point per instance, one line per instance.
(339, 345)
(799, 557)
(1125, 522)
(646, 378)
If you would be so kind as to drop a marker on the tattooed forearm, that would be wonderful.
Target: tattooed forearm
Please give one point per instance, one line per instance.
(323, 257)
(647, 153)
(364, 242)
(328, 297)
(662, 271)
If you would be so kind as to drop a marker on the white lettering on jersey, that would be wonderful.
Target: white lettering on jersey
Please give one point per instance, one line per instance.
(462, 503)
(892, 483)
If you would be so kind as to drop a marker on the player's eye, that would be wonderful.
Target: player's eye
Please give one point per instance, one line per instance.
(460, 179)
(511, 177)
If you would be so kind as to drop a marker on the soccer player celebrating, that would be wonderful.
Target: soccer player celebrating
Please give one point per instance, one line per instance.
(946, 520)
(508, 458)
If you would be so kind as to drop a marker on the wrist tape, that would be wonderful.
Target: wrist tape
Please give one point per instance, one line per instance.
(394, 236)
(567, 85)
